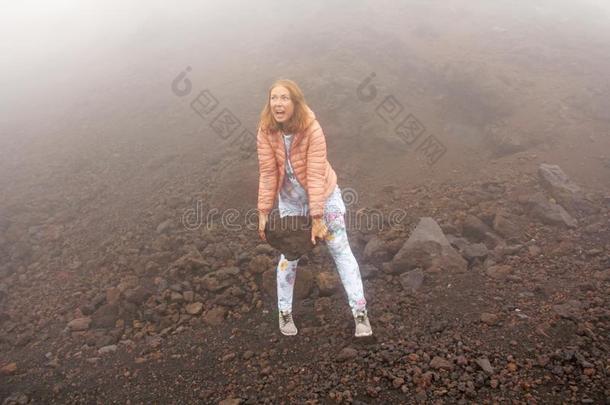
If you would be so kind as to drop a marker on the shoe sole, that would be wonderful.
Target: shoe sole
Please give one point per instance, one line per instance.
(289, 334)
(364, 334)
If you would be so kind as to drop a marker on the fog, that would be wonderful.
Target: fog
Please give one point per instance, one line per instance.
(104, 146)
(89, 107)
(75, 75)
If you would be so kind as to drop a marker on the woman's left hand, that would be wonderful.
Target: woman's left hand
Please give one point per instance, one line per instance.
(318, 229)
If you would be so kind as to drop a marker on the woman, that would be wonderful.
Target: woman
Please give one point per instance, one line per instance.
(293, 166)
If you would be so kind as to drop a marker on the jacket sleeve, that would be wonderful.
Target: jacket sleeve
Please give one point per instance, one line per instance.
(316, 172)
(267, 167)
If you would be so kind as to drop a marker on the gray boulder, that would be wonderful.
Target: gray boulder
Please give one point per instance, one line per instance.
(412, 280)
(478, 231)
(470, 251)
(547, 211)
(567, 193)
(427, 247)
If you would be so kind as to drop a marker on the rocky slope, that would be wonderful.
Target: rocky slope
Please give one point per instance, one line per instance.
(486, 291)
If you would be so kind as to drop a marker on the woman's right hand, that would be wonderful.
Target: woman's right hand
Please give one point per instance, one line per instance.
(262, 222)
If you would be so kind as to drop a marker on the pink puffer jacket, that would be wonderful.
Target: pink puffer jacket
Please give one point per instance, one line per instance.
(308, 158)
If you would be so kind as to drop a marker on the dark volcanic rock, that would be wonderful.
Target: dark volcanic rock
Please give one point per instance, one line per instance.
(261, 263)
(105, 317)
(230, 297)
(327, 282)
(570, 310)
(376, 249)
(368, 271)
(137, 295)
(291, 235)
(220, 279)
(477, 230)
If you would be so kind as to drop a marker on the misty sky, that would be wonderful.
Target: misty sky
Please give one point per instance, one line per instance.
(69, 62)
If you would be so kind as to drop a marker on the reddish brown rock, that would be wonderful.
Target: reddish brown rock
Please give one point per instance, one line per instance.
(215, 316)
(439, 363)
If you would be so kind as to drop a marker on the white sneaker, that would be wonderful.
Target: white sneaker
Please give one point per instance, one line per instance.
(287, 326)
(363, 326)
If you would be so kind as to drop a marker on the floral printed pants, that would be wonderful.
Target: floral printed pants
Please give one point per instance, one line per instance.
(347, 267)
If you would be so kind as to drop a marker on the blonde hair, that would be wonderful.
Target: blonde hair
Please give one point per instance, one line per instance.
(300, 119)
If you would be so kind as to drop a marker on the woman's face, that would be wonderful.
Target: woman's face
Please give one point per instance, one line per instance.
(281, 104)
